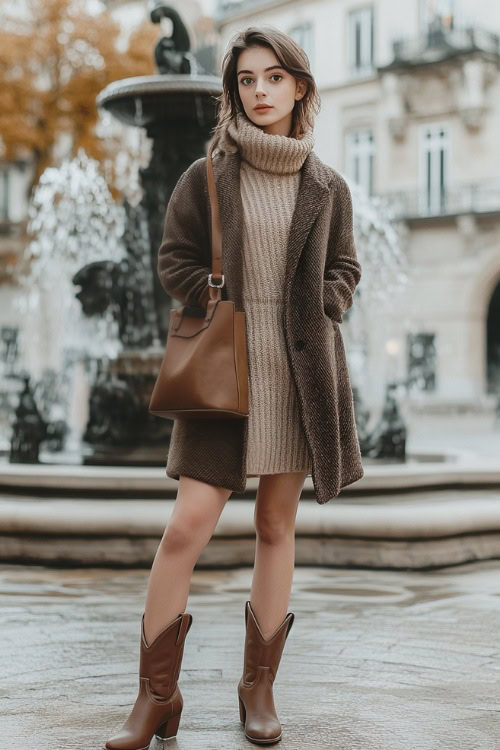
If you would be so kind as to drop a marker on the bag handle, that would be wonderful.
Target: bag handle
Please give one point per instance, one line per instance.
(216, 278)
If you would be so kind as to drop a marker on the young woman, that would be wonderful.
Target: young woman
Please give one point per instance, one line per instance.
(289, 261)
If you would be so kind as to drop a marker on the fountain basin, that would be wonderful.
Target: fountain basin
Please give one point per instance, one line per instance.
(410, 515)
(151, 481)
(144, 100)
(428, 530)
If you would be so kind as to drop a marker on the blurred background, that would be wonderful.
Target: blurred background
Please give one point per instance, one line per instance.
(103, 105)
(410, 115)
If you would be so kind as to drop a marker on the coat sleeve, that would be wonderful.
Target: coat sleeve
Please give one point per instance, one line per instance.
(181, 268)
(342, 269)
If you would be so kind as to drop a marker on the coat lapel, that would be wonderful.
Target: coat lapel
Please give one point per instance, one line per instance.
(313, 191)
(314, 188)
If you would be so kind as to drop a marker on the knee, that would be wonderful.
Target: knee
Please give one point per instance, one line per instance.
(178, 536)
(272, 530)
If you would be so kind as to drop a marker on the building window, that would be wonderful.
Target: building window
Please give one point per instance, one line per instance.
(359, 157)
(303, 35)
(493, 344)
(361, 41)
(4, 194)
(437, 13)
(8, 345)
(434, 160)
(422, 361)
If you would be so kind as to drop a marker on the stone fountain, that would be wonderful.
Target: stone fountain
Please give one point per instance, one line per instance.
(177, 108)
(118, 289)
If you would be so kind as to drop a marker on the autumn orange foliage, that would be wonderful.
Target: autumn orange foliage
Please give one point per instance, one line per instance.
(55, 57)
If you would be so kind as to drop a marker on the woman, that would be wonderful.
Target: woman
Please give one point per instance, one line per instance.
(290, 263)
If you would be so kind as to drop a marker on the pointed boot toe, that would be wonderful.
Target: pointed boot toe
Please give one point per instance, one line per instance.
(261, 725)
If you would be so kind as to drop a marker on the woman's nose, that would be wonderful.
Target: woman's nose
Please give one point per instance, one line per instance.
(259, 87)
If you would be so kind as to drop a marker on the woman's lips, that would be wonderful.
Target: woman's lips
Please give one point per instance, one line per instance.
(262, 109)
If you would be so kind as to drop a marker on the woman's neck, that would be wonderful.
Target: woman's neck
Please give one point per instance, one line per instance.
(278, 154)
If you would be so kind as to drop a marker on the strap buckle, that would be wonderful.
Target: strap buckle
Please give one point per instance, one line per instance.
(217, 286)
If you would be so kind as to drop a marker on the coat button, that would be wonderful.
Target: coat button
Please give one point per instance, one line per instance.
(300, 344)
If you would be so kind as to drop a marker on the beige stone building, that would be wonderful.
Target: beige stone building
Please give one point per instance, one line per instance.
(411, 108)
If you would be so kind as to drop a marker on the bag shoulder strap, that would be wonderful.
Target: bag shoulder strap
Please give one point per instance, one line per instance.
(215, 212)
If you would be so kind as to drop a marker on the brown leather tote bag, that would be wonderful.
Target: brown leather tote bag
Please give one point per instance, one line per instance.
(204, 372)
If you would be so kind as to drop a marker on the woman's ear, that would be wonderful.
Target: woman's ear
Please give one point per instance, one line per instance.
(300, 89)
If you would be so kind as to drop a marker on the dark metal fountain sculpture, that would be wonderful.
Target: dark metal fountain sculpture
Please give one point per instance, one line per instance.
(177, 107)
(387, 440)
(171, 52)
(29, 428)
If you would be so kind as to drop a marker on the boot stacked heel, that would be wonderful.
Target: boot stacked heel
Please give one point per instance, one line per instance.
(243, 713)
(169, 728)
(255, 688)
(158, 706)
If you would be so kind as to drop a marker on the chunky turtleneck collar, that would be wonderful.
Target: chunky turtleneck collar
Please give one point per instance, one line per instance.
(279, 154)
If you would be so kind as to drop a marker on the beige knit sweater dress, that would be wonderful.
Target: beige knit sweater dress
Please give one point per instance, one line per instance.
(269, 182)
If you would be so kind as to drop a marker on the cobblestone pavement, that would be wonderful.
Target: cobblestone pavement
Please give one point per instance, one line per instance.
(375, 660)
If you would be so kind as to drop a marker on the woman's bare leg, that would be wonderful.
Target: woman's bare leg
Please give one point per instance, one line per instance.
(196, 511)
(275, 512)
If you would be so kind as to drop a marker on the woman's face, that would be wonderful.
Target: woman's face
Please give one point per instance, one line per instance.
(257, 84)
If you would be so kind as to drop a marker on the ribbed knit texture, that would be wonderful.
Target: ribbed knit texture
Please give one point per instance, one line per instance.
(269, 182)
(214, 451)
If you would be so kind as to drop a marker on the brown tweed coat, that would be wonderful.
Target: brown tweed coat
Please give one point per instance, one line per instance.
(321, 275)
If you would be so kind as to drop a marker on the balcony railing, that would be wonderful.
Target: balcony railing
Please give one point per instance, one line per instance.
(226, 8)
(439, 43)
(479, 198)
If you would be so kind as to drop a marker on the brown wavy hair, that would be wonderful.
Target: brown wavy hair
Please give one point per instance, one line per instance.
(291, 57)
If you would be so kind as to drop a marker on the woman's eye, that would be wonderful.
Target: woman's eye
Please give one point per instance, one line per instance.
(242, 80)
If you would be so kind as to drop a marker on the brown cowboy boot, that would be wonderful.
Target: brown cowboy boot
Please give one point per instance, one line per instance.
(158, 706)
(255, 688)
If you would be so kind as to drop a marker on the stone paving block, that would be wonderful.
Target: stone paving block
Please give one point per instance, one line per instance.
(376, 660)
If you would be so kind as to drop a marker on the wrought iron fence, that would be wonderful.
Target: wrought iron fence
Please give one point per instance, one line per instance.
(479, 198)
(449, 41)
